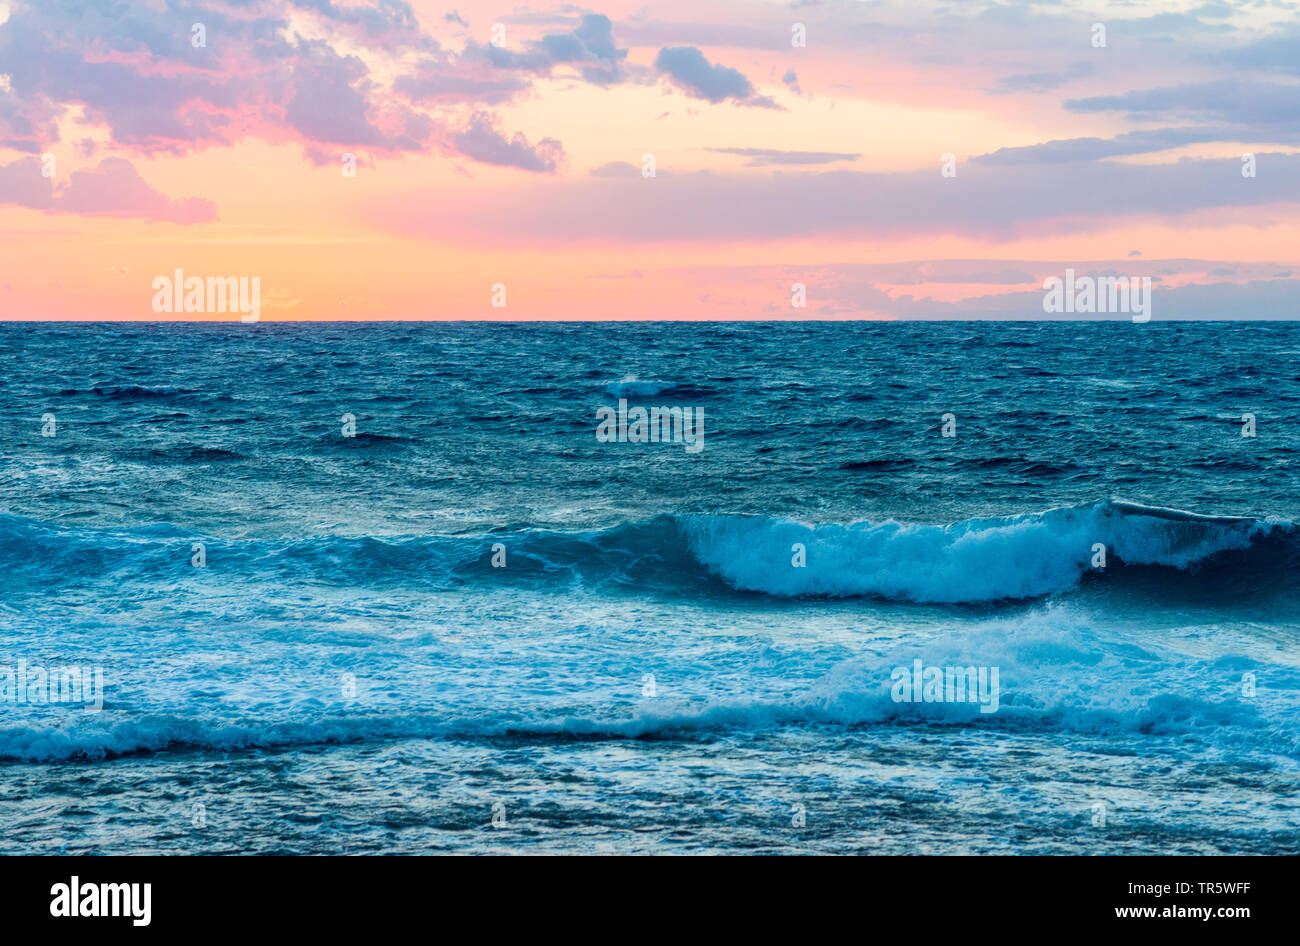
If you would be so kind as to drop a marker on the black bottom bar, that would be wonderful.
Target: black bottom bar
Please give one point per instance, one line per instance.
(962, 896)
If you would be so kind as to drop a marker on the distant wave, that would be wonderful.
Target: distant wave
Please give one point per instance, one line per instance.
(362, 439)
(631, 387)
(976, 560)
(134, 391)
(184, 453)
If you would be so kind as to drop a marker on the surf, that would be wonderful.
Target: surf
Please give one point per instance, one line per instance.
(974, 561)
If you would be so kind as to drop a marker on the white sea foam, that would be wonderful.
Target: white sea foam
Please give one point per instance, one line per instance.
(1020, 556)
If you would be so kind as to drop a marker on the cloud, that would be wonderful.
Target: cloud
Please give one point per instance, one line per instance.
(591, 46)
(643, 32)
(768, 157)
(858, 290)
(388, 23)
(1256, 299)
(112, 189)
(1044, 81)
(21, 184)
(592, 41)
(1066, 150)
(131, 70)
(357, 305)
(279, 300)
(884, 290)
(1279, 52)
(1266, 107)
(993, 202)
(483, 141)
(26, 125)
(699, 78)
(1213, 11)
(275, 70)
(616, 169)
(329, 101)
(441, 83)
(1172, 25)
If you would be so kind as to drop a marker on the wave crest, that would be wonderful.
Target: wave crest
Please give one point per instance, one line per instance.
(983, 559)
(1024, 556)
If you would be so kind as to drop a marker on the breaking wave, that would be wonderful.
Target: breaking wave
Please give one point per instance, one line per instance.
(1024, 556)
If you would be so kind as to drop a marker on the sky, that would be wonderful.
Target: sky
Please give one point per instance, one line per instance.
(385, 159)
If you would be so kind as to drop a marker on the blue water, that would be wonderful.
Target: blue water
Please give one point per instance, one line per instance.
(648, 671)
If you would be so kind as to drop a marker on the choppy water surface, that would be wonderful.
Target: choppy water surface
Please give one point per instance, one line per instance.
(649, 672)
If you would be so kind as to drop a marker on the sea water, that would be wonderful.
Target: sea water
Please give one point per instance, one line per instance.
(382, 588)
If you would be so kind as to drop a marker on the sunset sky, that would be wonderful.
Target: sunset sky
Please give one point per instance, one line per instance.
(521, 163)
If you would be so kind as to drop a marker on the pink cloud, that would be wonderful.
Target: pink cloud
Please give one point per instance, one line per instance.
(112, 189)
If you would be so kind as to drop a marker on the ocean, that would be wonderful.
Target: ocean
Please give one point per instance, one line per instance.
(382, 588)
